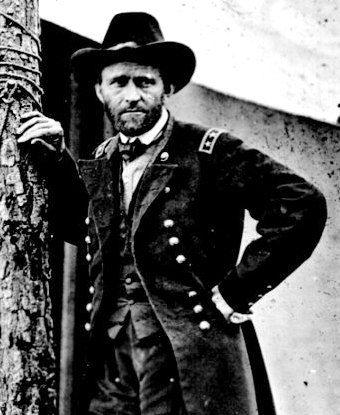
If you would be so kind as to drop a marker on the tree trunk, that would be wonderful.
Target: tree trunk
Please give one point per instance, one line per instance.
(27, 361)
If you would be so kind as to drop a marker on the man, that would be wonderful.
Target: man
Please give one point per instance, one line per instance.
(166, 205)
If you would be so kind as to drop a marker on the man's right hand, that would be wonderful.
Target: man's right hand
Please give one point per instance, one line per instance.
(37, 128)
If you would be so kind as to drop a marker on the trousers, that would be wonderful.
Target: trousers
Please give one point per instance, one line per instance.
(137, 377)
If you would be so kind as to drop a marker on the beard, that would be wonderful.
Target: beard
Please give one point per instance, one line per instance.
(135, 120)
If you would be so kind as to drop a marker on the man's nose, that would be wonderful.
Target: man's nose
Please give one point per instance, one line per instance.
(131, 92)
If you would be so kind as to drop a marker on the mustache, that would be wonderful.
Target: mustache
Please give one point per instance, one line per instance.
(132, 108)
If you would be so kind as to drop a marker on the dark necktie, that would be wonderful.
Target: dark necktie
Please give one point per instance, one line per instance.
(130, 151)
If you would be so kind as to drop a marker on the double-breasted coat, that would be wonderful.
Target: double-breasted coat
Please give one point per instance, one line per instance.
(186, 232)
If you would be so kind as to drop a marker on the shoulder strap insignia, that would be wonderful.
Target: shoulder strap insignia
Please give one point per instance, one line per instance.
(209, 140)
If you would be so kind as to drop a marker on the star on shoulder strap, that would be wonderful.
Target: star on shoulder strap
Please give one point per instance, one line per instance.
(209, 140)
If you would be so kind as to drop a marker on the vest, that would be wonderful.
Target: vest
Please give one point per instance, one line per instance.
(131, 300)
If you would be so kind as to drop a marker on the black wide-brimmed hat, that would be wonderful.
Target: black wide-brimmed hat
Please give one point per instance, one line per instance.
(137, 37)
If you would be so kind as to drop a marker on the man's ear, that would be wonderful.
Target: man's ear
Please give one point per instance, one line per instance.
(99, 94)
(169, 91)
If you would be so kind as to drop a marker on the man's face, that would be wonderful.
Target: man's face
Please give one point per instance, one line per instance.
(133, 96)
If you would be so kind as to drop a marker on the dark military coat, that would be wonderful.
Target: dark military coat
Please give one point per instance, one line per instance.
(197, 192)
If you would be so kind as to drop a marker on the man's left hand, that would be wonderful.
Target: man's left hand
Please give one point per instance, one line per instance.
(229, 314)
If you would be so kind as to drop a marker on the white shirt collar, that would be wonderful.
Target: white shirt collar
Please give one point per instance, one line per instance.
(150, 135)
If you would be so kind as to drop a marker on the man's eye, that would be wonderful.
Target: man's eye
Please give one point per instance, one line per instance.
(118, 82)
(145, 82)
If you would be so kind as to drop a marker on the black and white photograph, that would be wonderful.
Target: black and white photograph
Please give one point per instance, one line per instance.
(169, 207)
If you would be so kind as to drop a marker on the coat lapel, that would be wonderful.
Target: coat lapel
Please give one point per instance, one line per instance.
(101, 178)
(154, 179)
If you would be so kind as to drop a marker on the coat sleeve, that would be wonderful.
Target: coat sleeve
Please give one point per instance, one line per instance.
(290, 214)
(69, 200)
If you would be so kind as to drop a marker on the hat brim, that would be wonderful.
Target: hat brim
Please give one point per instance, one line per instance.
(176, 60)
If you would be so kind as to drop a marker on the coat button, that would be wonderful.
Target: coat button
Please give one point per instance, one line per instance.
(250, 304)
(87, 326)
(91, 289)
(88, 239)
(88, 306)
(198, 308)
(164, 156)
(259, 296)
(180, 259)
(117, 380)
(173, 241)
(172, 380)
(192, 293)
(168, 223)
(204, 325)
(269, 287)
(88, 257)
(167, 189)
(283, 210)
(128, 280)
(87, 221)
(131, 302)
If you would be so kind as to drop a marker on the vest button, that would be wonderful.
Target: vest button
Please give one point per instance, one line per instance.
(87, 221)
(91, 289)
(128, 280)
(87, 326)
(88, 307)
(88, 257)
(131, 302)
(88, 239)
(167, 189)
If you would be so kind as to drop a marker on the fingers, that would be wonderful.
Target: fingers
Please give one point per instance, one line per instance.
(31, 114)
(215, 290)
(31, 122)
(41, 122)
(238, 318)
(37, 128)
(220, 303)
(229, 314)
(49, 132)
(44, 143)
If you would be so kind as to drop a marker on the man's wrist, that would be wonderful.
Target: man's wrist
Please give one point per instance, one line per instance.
(229, 314)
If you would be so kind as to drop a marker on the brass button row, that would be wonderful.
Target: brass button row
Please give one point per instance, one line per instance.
(198, 308)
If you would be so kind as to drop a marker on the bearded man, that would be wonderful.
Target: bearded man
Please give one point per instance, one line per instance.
(166, 202)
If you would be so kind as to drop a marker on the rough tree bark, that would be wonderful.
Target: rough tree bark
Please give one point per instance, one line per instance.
(27, 362)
